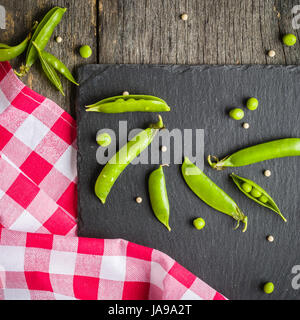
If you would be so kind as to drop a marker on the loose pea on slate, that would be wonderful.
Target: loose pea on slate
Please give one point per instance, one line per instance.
(268, 287)
(236, 114)
(252, 104)
(103, 139)
(199, 223)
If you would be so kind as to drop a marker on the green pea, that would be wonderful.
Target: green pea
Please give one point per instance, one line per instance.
(236, 114)
(289, 39)
(263, 199)
(268, 287)
(252, 104)
(85, 51)
(103, 139)
(255, 193)
(247, 187)
(199, 223)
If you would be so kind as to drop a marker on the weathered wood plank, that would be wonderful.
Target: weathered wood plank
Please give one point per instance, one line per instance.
(217, 32)
(77, 27)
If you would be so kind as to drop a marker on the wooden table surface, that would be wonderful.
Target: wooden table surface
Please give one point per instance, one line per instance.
(151, 32)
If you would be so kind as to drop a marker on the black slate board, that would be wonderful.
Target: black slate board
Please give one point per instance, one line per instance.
(235, 263)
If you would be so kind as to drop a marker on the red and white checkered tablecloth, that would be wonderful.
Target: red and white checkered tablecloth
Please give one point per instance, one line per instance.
(40, 255)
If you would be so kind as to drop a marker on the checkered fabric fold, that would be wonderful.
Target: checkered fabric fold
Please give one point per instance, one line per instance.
(40, 255)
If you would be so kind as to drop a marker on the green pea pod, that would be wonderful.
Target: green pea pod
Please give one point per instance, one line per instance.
(43, 34)
(159, 197)
(261, 152)
(7, 52)
(10, 53)
(210, 193)
(117, 164)
(4, 46)
(49, 71)
(59, 66)
(129, 103)
(264, 198)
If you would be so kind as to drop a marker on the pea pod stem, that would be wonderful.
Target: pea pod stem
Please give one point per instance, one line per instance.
(129, 103)
(49, 71)
(265, 151)
(159, 197)
(210, 193)
(118, 163)
(269, 204)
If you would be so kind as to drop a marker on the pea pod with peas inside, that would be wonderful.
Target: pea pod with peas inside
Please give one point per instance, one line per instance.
(210, 193)
(256, 193)
(265, 151)
(118, 163)
(129, 103)
(159, 197)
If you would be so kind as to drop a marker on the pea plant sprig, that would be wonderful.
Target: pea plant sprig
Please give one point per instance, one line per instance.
(35, 45)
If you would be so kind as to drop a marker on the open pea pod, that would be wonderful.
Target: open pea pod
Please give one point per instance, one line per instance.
(260, 195)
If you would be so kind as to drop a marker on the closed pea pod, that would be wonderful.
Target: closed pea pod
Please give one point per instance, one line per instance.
(49, 71)
(59, 66)
(7, 52)
(210, 193)
(43, 33)
(159, 197)
(4, 46)
(265, 151)
(260, 195)
(118, 163)
(129, 103)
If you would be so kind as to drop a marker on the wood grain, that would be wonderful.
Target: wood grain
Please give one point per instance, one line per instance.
(151, 31)
(216, 32)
